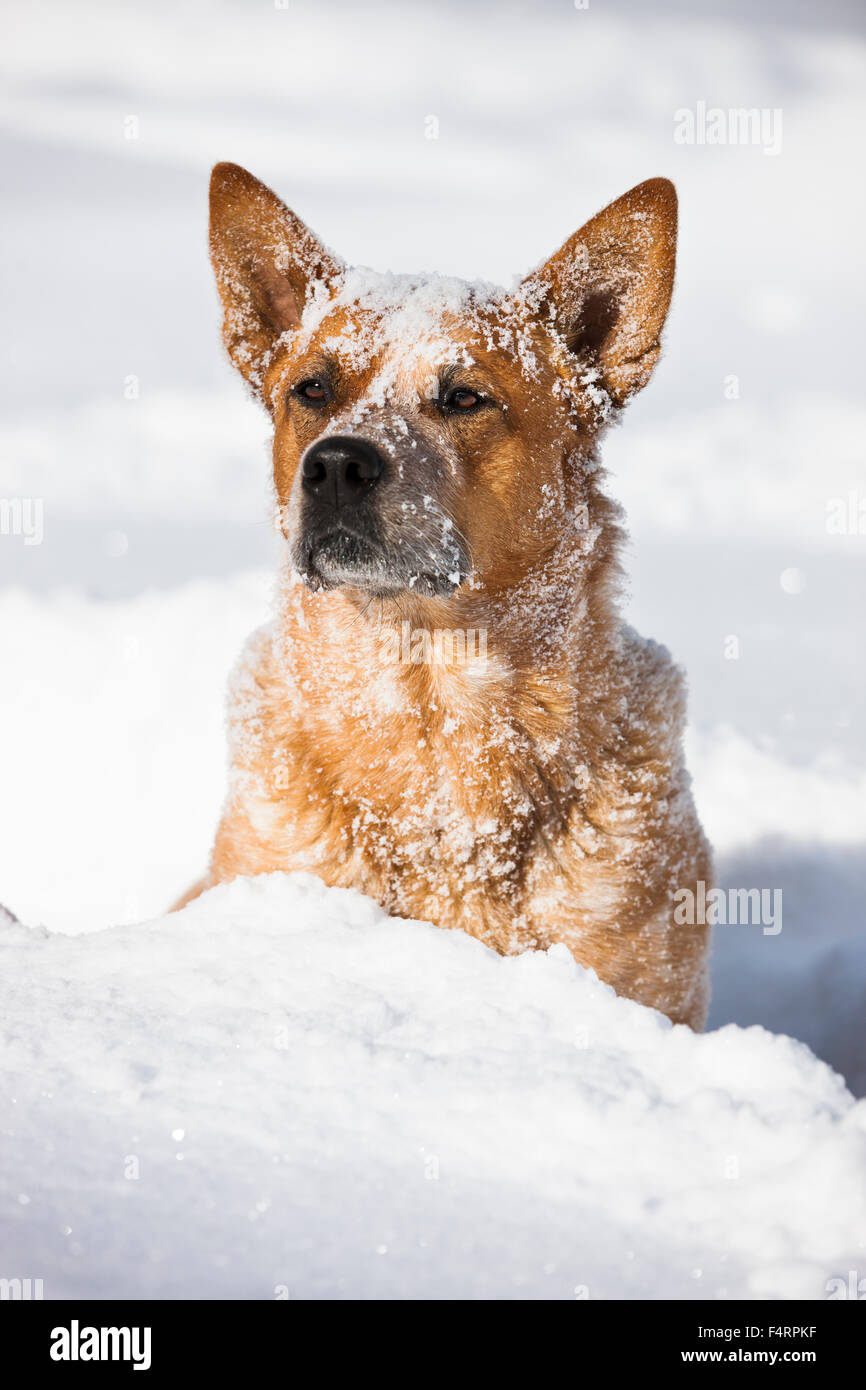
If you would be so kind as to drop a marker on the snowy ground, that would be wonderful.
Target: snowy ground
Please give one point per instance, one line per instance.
(283, 1092)
(529, 1086)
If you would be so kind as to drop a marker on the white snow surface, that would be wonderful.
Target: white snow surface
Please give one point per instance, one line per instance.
(282, 1092)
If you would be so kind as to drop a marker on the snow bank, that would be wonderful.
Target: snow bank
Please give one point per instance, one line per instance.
(283, 1092)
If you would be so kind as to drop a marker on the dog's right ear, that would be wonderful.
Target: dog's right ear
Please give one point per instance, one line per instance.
(266, 263)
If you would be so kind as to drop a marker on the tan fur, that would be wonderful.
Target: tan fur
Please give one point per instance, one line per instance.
(533, 796)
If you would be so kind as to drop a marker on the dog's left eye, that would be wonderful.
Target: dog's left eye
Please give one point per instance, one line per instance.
(312, 389)
(461, 399)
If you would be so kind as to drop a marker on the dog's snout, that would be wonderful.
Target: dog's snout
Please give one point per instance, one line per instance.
(341, 470)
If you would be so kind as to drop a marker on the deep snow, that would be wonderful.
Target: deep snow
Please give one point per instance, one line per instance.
(281, 1091)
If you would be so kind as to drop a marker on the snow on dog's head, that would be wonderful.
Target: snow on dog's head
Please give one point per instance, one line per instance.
(433, 436)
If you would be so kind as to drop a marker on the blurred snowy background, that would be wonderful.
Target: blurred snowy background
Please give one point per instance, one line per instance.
(120, 415)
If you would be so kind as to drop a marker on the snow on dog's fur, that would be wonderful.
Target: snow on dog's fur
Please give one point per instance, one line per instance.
(436, 473)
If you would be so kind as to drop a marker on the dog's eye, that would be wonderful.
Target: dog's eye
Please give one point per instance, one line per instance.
(312, 389)
(461, 399)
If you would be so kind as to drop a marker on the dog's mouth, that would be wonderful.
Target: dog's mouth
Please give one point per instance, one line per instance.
(343, 559)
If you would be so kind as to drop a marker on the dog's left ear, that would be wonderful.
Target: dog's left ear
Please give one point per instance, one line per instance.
(267, 264)
(609, 287)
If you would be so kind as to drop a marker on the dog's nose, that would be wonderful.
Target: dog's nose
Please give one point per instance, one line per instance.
(341, 470)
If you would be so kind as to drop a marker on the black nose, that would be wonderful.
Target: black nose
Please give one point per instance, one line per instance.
(341, 470)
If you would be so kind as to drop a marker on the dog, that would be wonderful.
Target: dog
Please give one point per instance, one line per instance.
(435, 464)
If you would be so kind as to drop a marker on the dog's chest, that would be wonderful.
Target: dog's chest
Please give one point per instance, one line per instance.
(400, 815)
(428, 855)
(438, 819)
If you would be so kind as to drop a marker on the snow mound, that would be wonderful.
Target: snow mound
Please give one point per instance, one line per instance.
(282, 1092)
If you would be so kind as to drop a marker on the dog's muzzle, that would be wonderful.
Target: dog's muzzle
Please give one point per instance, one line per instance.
(363, 524)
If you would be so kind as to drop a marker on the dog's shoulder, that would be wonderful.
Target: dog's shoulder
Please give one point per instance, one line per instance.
(250, 690)
(655, 686)
(252, 666)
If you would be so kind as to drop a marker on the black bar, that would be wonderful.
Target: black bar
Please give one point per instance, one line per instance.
(236, 1337)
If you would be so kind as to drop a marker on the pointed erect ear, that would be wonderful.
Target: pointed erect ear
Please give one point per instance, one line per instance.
(608, 288)
(266, 264)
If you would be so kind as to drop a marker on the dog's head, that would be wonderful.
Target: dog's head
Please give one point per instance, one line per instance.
(428, 434)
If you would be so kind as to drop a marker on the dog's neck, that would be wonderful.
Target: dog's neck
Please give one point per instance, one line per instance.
(524, 664)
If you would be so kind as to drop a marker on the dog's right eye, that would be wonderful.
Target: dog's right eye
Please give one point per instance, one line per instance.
(312, 389)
